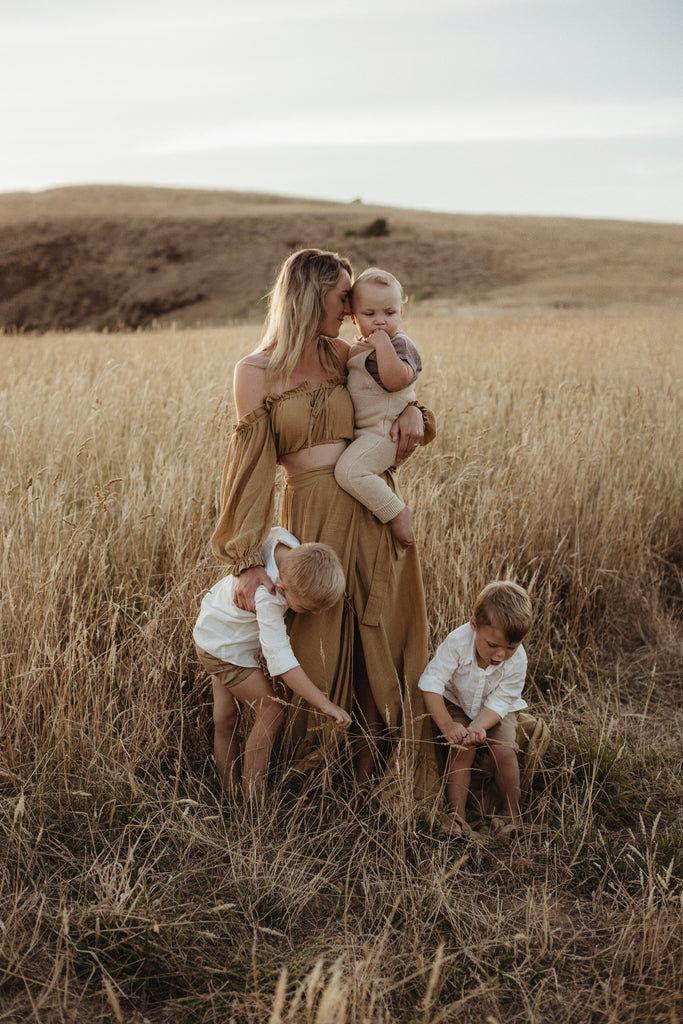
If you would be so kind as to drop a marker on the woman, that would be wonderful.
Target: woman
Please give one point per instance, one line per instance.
(293, 408)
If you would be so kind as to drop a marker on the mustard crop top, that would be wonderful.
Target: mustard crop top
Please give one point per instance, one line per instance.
(309, 415)
(304, 415)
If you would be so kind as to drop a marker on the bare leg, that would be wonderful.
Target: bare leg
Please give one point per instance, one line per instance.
(507, 780)
(402, 527)
(458, 777)
(224, 740)
(257, 749)
(257, 692)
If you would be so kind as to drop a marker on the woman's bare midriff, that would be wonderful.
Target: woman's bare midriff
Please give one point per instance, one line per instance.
(312, 458)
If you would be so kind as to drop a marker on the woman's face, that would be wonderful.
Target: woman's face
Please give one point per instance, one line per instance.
(337, 306)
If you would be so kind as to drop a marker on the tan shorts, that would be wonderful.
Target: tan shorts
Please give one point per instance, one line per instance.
(504, 732)
(229, 675)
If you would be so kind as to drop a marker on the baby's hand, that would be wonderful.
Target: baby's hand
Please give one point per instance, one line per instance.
(475, 735)
(380, 335)
(341, 718)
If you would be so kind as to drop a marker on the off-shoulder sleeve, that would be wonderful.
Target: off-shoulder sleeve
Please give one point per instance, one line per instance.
(247, 493)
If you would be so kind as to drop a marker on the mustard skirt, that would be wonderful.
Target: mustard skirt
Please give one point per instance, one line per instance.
(379, 630)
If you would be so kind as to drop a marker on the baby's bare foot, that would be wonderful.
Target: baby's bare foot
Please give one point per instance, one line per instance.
(402, 527)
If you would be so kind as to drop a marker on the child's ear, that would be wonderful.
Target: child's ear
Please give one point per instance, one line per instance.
(473, 623)
(279, 587)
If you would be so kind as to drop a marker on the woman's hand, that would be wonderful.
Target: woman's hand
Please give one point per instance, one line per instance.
(408, 430)
(248, 583)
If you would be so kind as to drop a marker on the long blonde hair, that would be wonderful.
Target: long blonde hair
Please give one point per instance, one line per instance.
(297, 309)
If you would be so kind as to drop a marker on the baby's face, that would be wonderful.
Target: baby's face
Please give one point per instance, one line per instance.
(376, 307)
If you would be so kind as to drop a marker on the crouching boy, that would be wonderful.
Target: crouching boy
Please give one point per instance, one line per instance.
(308, 578)
(473, 688)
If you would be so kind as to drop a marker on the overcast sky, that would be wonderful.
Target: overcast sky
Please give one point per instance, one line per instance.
(569, 107)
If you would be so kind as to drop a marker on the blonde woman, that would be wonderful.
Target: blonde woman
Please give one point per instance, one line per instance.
(368, 652)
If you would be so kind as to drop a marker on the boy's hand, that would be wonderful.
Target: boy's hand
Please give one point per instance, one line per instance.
(475, 735)
(341, 718)
(456, 734)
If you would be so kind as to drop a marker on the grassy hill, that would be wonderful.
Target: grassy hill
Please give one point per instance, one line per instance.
(108, 257)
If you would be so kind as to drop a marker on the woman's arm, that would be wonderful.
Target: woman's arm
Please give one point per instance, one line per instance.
(249, 390)
(248, 484)
(404, 432)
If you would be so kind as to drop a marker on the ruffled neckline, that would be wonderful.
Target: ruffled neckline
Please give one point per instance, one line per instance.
(315, 391)
(305, 387)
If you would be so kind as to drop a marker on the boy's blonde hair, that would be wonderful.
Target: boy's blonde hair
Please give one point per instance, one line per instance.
(297, 309)
(314, 574)
(507, 606)
(374, 275)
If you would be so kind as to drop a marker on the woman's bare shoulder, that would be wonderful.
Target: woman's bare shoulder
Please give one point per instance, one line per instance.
(249, 382)
(258, 359)
(342, 348)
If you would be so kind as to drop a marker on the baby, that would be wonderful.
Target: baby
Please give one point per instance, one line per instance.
(308, 578)
(382, 368)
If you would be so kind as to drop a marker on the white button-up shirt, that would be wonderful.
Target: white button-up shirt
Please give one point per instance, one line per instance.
(454, 673)
(234, 635)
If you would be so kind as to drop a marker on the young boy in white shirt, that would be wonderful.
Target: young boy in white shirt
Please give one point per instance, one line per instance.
(308, 578)
(473, 689)
(383, 366)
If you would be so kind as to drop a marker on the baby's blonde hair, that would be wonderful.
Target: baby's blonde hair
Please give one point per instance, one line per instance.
(374, 275)
(297, 309)
(507, 606)
(314, 574)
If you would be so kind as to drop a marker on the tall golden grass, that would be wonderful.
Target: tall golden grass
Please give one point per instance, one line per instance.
(132, 891)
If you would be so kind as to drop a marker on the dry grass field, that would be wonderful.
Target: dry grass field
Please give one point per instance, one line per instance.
(131, 891)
